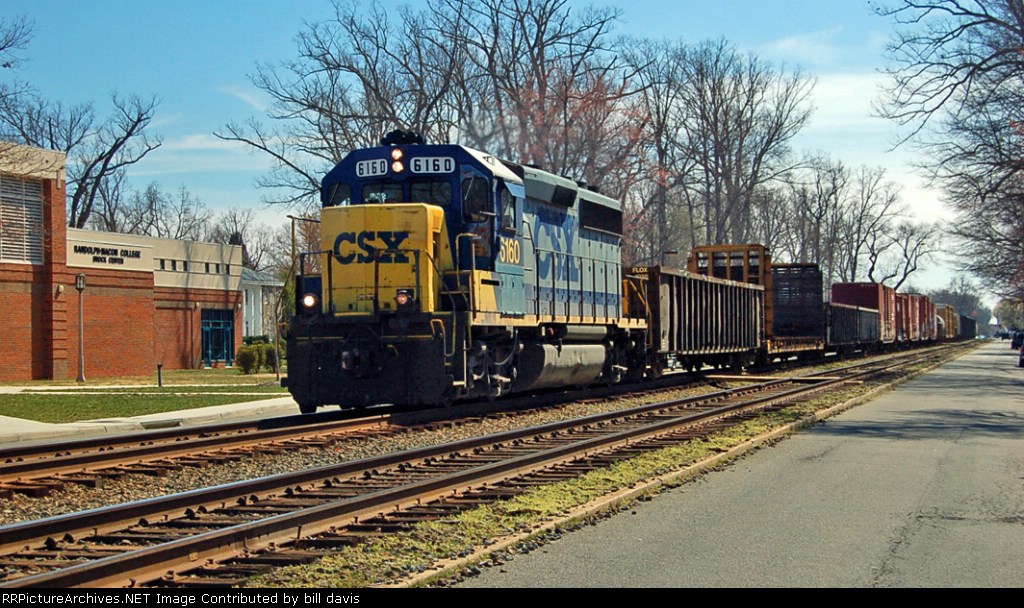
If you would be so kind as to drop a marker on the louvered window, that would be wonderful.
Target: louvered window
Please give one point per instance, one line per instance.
(21, 220)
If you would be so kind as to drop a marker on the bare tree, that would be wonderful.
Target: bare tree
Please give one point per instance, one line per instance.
(528, 80)
(962, 294)
(659, 195)
(355, 78)
(95, 151)
(958, 88)
(15, 35)
(153, 212)
(897, 255)
(872, 206)
(945, 52)
(740, 115)
(237, 226)
(1010, 313)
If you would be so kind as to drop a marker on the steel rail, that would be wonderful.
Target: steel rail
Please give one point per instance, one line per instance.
(279, 528)
(216, 544)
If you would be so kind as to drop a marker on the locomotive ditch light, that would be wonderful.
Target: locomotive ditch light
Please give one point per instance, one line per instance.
(404, 299)
(309, 303)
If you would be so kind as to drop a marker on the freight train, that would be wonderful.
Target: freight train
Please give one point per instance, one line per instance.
(446, 273)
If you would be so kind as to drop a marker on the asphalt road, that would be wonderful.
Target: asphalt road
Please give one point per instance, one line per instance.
(920, 488)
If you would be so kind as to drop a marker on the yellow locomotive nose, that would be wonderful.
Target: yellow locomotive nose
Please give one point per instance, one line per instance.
(384, 257)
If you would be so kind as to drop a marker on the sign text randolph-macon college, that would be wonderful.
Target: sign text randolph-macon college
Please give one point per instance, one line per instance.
(113, 256)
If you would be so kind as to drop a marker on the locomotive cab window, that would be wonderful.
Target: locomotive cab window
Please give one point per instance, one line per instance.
(476, 195)
(433, 192)
(341, 194)
(508, 204)
(382, 193)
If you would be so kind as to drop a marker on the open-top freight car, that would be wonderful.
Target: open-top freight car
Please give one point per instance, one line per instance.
(968, 328)
(873, 296)
(850, 328)
(695, 320)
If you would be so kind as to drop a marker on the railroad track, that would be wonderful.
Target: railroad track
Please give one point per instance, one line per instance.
(220, 536)
(41, 469)
(38, 470)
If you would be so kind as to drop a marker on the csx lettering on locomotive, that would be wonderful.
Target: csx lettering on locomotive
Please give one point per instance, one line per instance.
(368, 245)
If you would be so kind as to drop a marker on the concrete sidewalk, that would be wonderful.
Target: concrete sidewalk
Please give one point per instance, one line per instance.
(19, 430)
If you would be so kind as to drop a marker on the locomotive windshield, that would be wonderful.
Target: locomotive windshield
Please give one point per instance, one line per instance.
(433, 191)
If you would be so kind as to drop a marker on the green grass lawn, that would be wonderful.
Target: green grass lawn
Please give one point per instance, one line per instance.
(74, 406)
(174, 377)
(62, 401)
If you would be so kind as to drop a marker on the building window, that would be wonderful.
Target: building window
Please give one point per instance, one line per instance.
(174, 265)
(207, 268)
(163, 264)
(218, 327)
(217, 268)
(21, 220)
(228, 267)
(184, 266)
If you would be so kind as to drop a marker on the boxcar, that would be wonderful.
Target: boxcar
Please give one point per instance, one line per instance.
(926, 318)
(908, 326)
(950, 322)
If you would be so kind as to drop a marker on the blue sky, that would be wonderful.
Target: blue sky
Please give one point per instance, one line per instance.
(196, 56)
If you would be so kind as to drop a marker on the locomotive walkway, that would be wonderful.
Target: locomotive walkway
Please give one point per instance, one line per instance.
(919, 488)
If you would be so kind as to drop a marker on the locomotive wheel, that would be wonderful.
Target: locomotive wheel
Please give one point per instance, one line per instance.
(307, 408)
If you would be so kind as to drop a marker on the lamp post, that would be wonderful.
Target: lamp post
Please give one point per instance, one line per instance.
(80, 286)
(294, 245)
(291, 277)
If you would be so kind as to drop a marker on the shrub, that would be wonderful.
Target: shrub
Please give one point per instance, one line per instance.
(247, 359)
(269, 357)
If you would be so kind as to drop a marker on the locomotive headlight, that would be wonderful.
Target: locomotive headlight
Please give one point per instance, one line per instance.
(397, 155)
(309, 302)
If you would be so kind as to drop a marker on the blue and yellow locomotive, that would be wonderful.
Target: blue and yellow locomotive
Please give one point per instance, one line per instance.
(447, 273)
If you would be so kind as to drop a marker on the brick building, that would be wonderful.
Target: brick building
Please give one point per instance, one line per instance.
(146, 301)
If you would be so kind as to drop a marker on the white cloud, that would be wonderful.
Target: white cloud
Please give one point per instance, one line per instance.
(807, 49)
(249, 97)
(201, 142)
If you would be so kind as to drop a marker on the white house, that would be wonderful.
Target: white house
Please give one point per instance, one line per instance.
(259, 292)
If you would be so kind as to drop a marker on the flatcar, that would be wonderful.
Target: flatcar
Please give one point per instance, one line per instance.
(794, 318)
